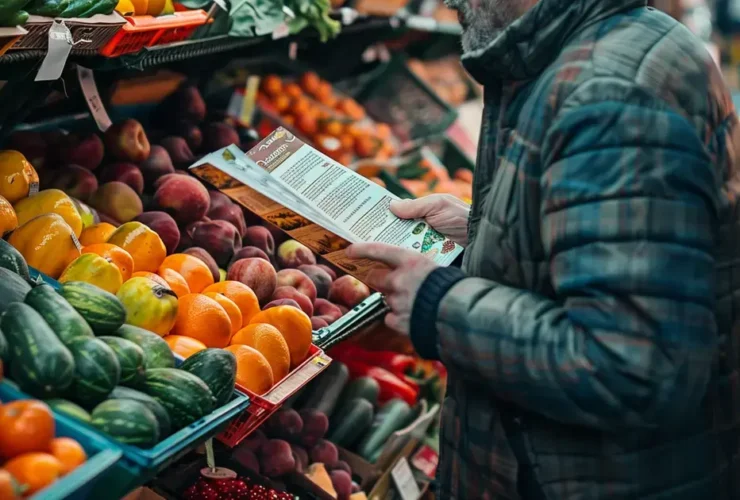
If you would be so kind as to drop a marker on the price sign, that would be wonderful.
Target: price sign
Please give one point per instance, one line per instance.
(404, 480)
(92, 96)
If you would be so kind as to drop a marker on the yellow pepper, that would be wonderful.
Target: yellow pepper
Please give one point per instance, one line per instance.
(94, 269)
(47, 243)
(149, 305)
(8, 219)
(50, 201)
(18, 178)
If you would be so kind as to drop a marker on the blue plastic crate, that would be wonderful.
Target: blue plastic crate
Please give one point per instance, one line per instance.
(102, 455)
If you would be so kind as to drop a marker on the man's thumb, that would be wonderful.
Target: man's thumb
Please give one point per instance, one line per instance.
(407, 209)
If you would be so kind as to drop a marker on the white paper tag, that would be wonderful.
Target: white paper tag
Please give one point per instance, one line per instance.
(222, 4)
(404, 480)
(60, 45)
(293, 51)
(281, 31)
(349, 16)
(92, 96)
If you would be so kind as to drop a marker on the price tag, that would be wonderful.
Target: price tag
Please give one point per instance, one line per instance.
(426, 460)
(92, 96)
(349, 16)
(293, 51)
(60, 45)
(404, 480)
(281, 31)
(250, 99)
(217, 473)
(297, 379)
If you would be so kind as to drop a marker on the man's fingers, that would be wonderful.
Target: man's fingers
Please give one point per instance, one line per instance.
(413, 209)
(378, 279)
(393, 321)
(387, 254)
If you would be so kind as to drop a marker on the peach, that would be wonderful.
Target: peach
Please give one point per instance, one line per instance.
(292, 254)
(191, 133)
(78, 182)
(321, 279)
(331, 272)
(260, 237)
(219, 238)
(257, 274)
(218, 199)
(282, 302)
(232, 213)
(32, 145)
(165, 178)
(127, 141)
(317, 323)
(298, 280)
(288, 292)
(326, 309)
(128, 173)
(348, 291)
(179, 151)
(184, 104)
(249, 253)
(165, 226)
(219, 135)
(117, 200)
(156, 165)
(87, 151)
(206, 258)
(185, 198)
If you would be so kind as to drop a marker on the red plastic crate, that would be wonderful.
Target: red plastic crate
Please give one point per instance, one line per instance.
(261, 407)
(146, 31)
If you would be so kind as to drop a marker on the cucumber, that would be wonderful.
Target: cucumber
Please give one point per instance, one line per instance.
(100, 7)
(66, 322)
(69, 409)
(39, 363)
(47, 8)
(324, 394)
(18, 19)
(362, 387)
(351, 422)
(392, 416)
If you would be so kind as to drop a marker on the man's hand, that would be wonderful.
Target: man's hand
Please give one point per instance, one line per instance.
(443, 212)
(400, 283)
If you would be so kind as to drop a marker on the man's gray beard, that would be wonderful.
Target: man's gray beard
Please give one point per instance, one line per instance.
(485, 23)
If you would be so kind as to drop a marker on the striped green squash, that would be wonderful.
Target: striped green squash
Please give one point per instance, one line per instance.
(69, 409)
(163, 418)
(66, 322)
(127, 421)
(39, 363)
(97, 371)
(157, 354)
(130, 358)
(102, 310)
(185, 397)
(215, 367)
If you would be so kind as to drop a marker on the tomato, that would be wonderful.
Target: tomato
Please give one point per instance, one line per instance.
(25, 426)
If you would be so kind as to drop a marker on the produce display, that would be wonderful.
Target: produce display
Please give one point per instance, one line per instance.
(32, 455)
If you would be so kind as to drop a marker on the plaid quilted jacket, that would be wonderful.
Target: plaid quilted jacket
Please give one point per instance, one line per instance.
(592, 336)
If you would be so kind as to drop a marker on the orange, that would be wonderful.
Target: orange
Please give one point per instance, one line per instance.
(175, 281)
(154, 277)
(97, 233)
(383, 131)
(463, 174)
(272, 85)
(144, 245)
(281, 103)
(310, 82)
(270, 342)
(307, 124)
(202, 318)
(154, 7)
(140, 7)
(235, 315)
(239, 293)
(195, 272)
(25, 426)
(253, 371)
(9, 488)
(184, 346)
(292, 90)
(69, 453)
(8, 218)
(294, 324)
(34, 471)
(115, 255)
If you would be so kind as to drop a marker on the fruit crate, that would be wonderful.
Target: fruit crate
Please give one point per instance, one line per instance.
(262, 407)
(102, 455)
(401, 99)
(147, 31)
(9, 37)
(90, 35)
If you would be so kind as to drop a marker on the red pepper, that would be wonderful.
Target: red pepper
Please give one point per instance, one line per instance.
(390, 385)
(396, 363)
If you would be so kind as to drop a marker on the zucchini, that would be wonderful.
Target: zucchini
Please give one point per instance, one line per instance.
(100, 7)
(47, 8)
(9, 7)
(351, 422)
(362, 387)
(392, 416)
(18, 19)
(76, 7)
(324, 394)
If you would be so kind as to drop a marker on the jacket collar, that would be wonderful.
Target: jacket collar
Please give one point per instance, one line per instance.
(530, 44)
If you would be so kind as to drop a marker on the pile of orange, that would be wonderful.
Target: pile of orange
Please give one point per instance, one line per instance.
(312, 107)
(31, 457)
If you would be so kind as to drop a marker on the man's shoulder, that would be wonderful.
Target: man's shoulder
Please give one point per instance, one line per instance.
(641, 51)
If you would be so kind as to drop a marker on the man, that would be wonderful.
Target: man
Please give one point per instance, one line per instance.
(592, 335)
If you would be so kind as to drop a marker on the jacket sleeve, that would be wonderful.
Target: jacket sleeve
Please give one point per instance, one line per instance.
(629, 211)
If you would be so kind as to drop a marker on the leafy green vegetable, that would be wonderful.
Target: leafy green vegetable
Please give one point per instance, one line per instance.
(255, 17)
(314, 13)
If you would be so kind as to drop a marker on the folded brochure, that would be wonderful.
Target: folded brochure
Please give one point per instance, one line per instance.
(318, 201)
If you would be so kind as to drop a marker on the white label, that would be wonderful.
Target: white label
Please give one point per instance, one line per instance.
(404, 480)
(222, 4)
(92, 96)
(297, 379)
(349, 16)
(281, 31)
(60, 45)
(293, 51)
